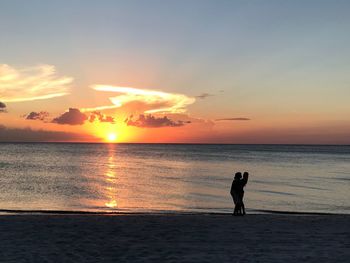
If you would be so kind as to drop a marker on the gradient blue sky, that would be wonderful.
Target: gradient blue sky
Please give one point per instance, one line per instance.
(283, 64)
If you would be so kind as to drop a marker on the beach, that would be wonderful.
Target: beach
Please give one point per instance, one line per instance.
(174, 237)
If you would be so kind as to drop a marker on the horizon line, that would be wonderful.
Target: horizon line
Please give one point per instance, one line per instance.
(175, 143)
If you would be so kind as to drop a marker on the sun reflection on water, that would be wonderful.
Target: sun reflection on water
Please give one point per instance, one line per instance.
(111, 179)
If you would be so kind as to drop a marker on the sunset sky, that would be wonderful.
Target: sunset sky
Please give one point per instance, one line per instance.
(175, 71)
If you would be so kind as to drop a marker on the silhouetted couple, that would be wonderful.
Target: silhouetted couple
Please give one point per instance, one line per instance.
(237, 192)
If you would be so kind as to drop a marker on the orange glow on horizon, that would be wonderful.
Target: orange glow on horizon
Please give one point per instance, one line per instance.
(111, 204)
(109, 133)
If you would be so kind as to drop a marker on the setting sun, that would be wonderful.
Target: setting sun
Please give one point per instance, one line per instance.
(111, 137)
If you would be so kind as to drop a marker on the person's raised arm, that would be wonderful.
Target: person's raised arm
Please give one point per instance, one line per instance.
(245, 178)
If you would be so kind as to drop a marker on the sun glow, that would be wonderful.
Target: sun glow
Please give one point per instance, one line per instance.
(112, 137)
(112, 204)
(111, 133)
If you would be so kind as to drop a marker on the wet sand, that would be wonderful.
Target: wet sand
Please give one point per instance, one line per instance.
(174, 238)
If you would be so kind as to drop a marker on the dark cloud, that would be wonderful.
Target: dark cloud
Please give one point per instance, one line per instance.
(149, 121)
(233, 119)
(42, 115)
(101, 117)
(29, 135)
(2, 107)
(72, 117)
(204, 96)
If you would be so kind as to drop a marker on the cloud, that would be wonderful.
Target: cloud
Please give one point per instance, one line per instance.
(204, 96)
(101, 117)
(42, 115)
(32, 83)
(149, 121)
(29, 135)
(2, 107)
(72, 117)
(156, 101)
(233, 119)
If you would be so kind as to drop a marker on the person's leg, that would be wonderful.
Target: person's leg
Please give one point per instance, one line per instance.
(234, 198)
(236, 202)
(239, 209)
(239, 202)
(242, 204)
(235, 212)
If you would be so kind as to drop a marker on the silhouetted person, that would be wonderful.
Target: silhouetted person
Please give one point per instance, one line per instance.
(237, 192)
(243, 183)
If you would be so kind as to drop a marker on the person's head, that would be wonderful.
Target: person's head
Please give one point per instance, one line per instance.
(245, 174)
(238, 176)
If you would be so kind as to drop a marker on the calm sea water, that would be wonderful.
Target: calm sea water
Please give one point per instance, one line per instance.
(162, 177)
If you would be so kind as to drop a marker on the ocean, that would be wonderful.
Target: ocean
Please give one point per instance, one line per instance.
(172, 177)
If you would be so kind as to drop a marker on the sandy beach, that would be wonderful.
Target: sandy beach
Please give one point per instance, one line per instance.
(174, 238)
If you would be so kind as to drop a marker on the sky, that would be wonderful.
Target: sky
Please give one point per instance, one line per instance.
(175, 71)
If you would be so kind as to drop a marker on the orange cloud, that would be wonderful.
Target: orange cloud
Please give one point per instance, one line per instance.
(96, 115)
(33, 83)
(150, 121)
(157, 101)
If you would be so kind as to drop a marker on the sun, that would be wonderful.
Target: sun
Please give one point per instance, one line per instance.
(106, 134)
(111, 137)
